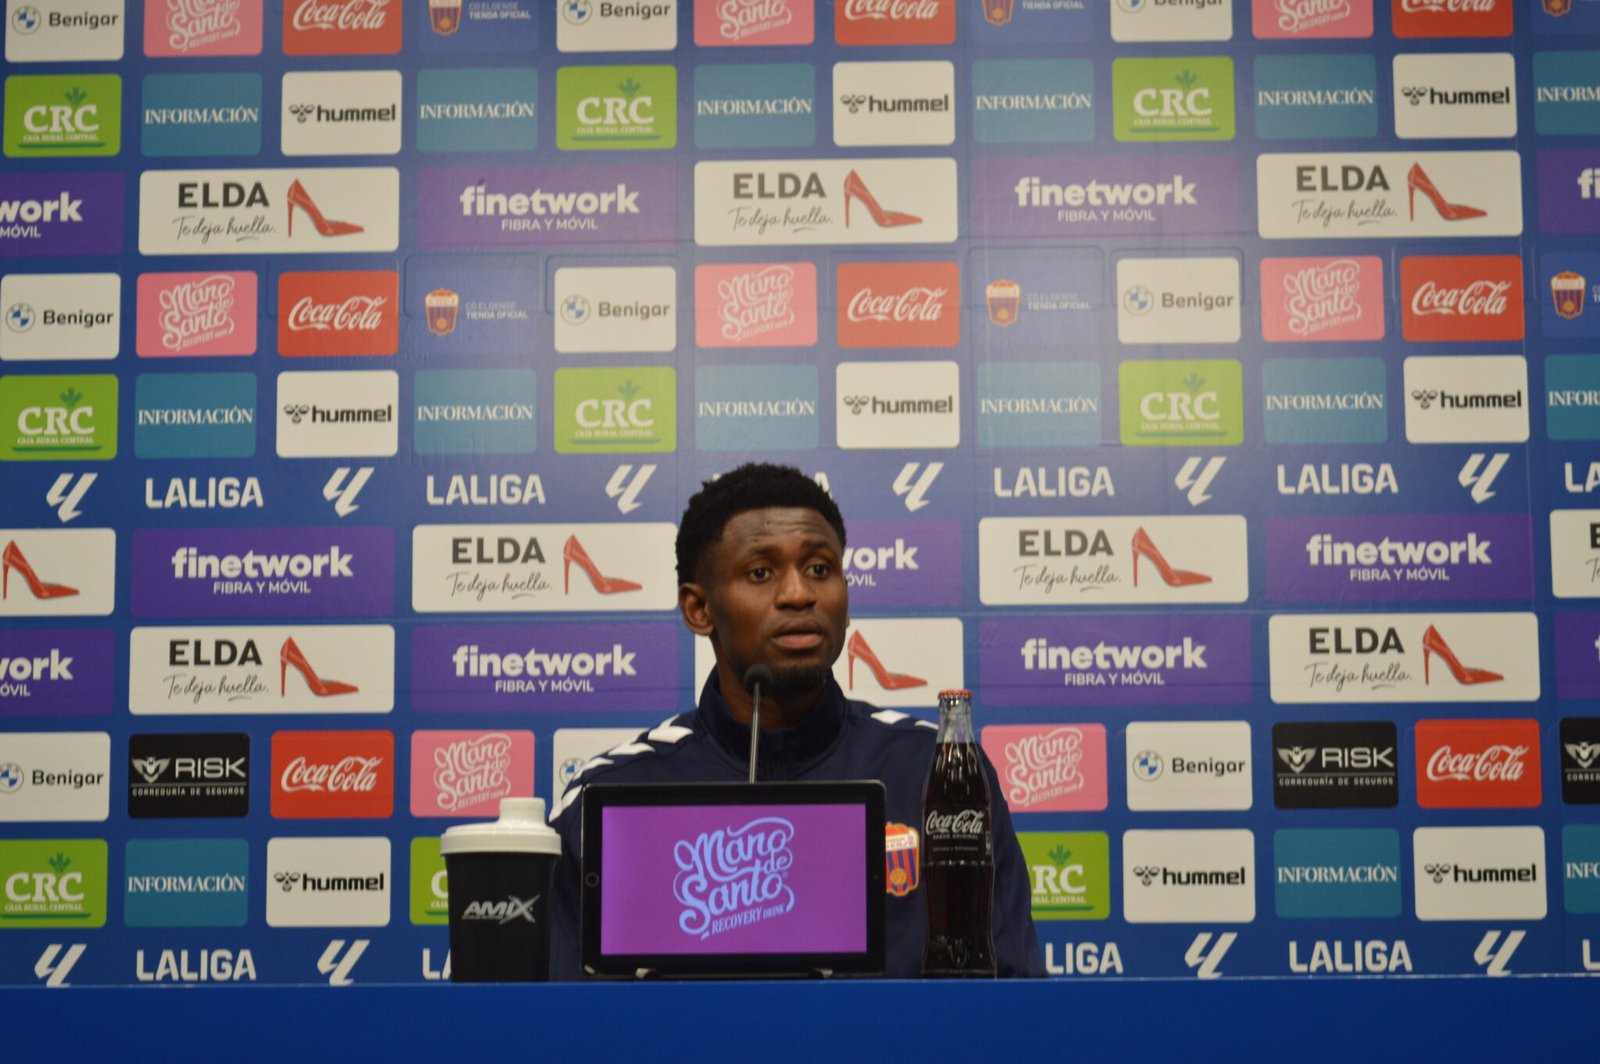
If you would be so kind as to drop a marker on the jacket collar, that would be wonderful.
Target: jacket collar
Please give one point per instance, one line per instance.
(783, 752)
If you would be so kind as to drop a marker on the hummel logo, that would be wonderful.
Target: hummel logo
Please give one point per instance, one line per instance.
(286, 880)
(302, 111)
(854, 103)
(857, 403)
(1439, 871)
(296, 412)
(151, 768)
(1297, 757)
(1146, 874)
(1414, 94)
(1424, 398)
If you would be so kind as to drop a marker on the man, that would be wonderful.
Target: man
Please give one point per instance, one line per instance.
(761, 575)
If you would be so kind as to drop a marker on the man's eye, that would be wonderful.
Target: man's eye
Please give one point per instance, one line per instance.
(760, 573)
(821, 570)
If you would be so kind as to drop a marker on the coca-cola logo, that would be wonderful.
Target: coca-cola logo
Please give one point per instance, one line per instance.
(472, 771)
(734, 877)
(1447, 7)
(916, 304)
(1301, 16)
(1044, 766)
(1499, 762)
(1323, 296)
(193, 24)
(738, 19)
(351, 774)
(346, 16)
(354, 314)
(891, 10)
(960, 823)
(752, 304)
(1482, 298)
(197, 312)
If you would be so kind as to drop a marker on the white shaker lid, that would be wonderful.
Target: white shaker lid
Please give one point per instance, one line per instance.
(520, 829)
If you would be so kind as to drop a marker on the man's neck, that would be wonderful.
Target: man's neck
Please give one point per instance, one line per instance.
(776, 711)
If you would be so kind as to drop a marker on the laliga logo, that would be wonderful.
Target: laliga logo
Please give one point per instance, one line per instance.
(734, 877)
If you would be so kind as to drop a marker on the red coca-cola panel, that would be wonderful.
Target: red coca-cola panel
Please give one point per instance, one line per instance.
(341, 27)
(899, 304)
(1452, 18)
(332, 774)
(1461, 297)
(353, 312)
(1477, 764)
(894, 21)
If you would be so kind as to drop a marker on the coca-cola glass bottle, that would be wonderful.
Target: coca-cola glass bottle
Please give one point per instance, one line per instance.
(957, 849)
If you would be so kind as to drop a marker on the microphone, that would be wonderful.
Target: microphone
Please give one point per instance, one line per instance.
(755, 677)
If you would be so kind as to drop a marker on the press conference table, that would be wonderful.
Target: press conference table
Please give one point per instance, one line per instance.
(1301, 1021)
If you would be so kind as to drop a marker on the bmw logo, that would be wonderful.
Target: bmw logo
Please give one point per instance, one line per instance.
(1147, 765)
(575, 310)
(26, 19)
(19, 317)
(577, 12)
(1138, 300)
(1133, 7)
(10, 777)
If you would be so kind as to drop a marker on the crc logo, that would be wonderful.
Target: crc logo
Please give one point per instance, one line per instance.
(1193, 405)
(69, 419)
(1185, 101)
(630, 108)
(74, 116)
(624, 413)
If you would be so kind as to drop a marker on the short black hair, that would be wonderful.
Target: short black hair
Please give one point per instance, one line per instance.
(752, 486)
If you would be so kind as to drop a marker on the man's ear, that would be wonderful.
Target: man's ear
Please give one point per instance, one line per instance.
(695, 608)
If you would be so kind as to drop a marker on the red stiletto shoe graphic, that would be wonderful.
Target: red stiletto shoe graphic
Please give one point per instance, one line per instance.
(290, 655)
(1417, 181)
(1433, 643)
(855, 188)
(1144, 546)
(299, 197)
(607, 585)
(41, 590)
(889, 681)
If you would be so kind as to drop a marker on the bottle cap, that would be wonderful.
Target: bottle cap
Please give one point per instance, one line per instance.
(520, 829)
(955, 692)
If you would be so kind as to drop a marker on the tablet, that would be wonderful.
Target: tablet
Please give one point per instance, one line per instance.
(730, 880)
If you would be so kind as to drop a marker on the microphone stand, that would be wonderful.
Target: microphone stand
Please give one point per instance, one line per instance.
(755, 677)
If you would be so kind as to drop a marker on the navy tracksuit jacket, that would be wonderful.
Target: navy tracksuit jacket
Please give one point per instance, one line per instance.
(840, 740)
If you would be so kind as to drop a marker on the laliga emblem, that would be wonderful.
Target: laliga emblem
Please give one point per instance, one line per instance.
(444, 16)
(1556, 8)
(1004, 299)
(1566, 292)
(1424, 398)
(998, 12)
(442, 308)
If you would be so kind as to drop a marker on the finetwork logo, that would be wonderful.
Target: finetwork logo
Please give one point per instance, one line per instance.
(1105, 196)
(61, 214)
(523, 207)
(67, 670)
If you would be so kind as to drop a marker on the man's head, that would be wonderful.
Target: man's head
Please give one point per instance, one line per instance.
(761, 572)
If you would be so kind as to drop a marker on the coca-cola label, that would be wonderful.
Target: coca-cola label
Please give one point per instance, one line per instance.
(1452, 18)
(335, 774)
(899, 304)
(466, 773)
(746, 23)
(1049, 768)
(1478, 764)
(187, 315)
(894, 22)
(1322, 299)
(353, 312)
(182, 29)
(955, 834)
(1310, 19)
(756, 304)
(1461, 298)
(341, 27)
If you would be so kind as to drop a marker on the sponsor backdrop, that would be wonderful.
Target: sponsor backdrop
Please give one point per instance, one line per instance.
(1213, 386)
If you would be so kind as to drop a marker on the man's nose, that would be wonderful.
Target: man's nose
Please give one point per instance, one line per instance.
(794, 590)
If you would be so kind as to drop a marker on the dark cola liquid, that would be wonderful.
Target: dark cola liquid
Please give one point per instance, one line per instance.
(957, 859)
